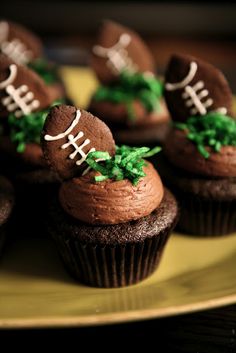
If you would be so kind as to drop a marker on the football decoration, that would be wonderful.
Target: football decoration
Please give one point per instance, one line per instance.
(118, 49)
(18, 43)
(194, 87)
(69, 135)
(22, 91)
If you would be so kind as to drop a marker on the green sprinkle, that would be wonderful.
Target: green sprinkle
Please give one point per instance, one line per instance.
(27, 128)
(98, 154)
(100, 177)
(47, 71)
(152, 152)
(213, 130)
(133, 86)
(127, 163)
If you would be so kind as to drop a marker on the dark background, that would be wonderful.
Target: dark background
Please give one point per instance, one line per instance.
(201, 28)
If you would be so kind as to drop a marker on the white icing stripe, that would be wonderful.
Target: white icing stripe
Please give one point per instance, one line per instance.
(19, 97)
(14, 49)
(72, 141)
(21, 101)
(64, 134)
(123, 41)
(195, 100)
(221, 110)
(11, 77)
(185, 81)
(193, 95)
(117, 55)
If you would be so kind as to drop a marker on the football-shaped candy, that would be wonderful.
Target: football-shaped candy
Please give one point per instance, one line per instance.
(194, 87)
(69, 134)
(117, 49)
(18, 43)
(22, 91)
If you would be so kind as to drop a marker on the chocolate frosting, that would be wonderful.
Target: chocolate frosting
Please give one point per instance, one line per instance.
(111, 202)
(184, 154)
(32, 155)
(117, 113)
(154, 225)
(208, 188)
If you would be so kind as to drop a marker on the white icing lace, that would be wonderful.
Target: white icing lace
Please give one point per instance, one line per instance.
(14, 49)
(117, 55)
(193, 95)
(18, 100)
(78, 149)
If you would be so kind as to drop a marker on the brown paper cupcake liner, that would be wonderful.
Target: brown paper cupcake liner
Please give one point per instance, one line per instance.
(111, 266)
(199, 216)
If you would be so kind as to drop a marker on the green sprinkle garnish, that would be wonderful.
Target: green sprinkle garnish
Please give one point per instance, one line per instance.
(100, 177)
(133, 86)
(27, 128)
(127, 163)
(47, 71)
(213, 129)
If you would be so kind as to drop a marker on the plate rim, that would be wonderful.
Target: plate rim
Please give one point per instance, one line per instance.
(115, 318)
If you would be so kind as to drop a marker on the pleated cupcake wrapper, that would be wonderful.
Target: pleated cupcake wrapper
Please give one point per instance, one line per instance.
(206, 217)
(111, 266)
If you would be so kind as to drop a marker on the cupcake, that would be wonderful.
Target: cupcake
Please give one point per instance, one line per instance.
(200, 165)
(6, 206)
(24, 103)
(112, 217)
(130, 96)
(23, 47)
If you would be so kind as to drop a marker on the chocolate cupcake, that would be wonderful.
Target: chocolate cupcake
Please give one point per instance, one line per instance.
(25, 48)
(113, 217)
(6, 206)
(24, 103)
(130, 97)
(201, 147)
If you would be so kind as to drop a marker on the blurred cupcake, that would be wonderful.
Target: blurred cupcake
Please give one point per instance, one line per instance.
(201, 147)
(24, 103)
(113, 216)
(25, 48)
(130, 96)
(6, 206)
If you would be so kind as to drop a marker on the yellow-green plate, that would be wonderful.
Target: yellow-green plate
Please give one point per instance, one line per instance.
(35, 290)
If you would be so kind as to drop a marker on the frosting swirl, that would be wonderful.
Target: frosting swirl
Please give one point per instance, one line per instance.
(111, 202)
(184, 154)
(117, 113)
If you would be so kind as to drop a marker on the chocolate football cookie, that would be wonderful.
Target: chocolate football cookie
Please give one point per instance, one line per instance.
(119, 48)
(18, 43)
(21, 90)
(195, 87)
(68, 136)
